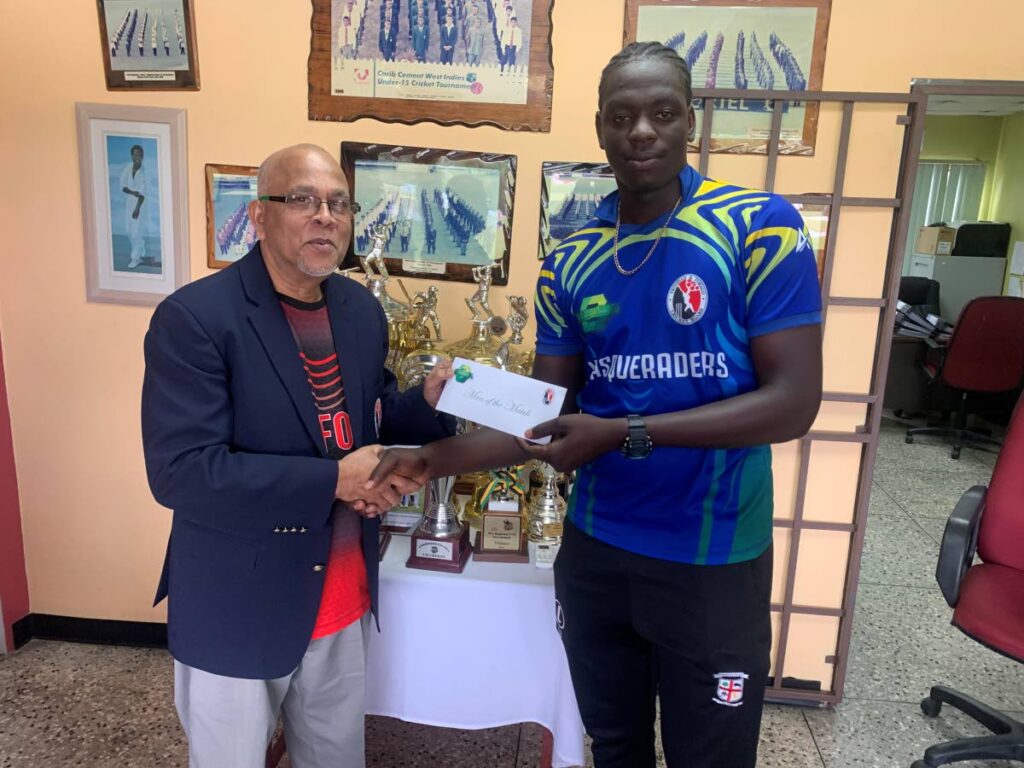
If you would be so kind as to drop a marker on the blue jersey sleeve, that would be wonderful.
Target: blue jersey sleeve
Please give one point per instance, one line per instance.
(557, 331)
(781, 271)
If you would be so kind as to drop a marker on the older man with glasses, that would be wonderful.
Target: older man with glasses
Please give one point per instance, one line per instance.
(264, 400)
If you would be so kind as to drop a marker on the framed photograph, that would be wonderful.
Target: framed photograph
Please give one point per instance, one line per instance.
(569, 195)
(571, 192)
(132, 167)
(229, 233)
(442, 211)
(468, 62)
(149, 46)
(758, 45)
(816, 218)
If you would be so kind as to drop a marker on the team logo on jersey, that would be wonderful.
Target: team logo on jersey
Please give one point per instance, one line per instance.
(559, 617)
(802, 241)
(729, 690)
(378, 416)
(687, 299)
(595, 312)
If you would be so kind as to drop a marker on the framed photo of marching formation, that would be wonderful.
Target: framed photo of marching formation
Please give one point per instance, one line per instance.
(442, 212)
(571, 192)
(468, 62)
(134, 201)
(229, 233)
(149, 45)
(758, 45)
(569, 196)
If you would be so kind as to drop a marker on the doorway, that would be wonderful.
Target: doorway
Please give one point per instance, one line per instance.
(968, 179)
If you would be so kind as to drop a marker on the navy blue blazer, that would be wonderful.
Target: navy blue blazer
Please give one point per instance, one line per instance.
(233, 447)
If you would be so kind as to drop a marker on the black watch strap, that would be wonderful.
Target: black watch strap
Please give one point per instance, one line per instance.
(638, 444)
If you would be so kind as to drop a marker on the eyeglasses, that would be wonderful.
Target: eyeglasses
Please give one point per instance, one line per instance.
(310, 204)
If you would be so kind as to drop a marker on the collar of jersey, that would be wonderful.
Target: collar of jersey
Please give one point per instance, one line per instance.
(689, 181)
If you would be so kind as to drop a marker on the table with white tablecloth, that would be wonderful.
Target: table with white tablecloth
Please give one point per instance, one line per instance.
(472, 650)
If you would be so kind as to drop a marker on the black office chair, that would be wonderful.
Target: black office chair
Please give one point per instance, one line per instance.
(922, 293)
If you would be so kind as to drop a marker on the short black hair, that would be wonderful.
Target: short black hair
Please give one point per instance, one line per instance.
(138, 147)
(646, 51)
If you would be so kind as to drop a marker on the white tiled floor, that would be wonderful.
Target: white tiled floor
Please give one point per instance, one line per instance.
(70, 705)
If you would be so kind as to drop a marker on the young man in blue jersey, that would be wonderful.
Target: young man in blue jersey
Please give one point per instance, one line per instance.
(684, 320)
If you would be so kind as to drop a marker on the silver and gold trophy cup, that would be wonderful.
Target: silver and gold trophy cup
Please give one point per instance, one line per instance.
(440, 542)
(546, 510)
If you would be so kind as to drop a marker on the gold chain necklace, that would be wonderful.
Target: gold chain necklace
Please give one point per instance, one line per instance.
(615, 245)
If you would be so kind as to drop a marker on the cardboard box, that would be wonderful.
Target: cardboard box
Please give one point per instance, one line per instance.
(935, 240)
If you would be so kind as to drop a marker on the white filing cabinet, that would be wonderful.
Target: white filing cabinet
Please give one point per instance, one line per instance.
(960, 278)
(921, 265)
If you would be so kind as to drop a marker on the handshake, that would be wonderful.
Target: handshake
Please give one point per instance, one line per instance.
(370, 488)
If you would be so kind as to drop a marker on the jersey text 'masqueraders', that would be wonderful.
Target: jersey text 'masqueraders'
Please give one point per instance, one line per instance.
(733, 264)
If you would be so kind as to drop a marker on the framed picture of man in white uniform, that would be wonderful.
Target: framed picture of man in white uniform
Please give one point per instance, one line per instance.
(133, 181)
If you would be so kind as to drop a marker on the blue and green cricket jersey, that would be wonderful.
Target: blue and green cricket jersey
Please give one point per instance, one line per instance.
(733, 264)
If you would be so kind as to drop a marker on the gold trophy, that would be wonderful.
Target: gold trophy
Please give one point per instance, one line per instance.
(505, 484)
(482, 344)
(509, 358)
(440, 542)
(546, 510)
(497, 509)
(502, 534)
(397, 313)
(377, 272)
(418, 363)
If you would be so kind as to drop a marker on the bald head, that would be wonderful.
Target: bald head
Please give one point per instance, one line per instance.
(277, 163)
(301, 239)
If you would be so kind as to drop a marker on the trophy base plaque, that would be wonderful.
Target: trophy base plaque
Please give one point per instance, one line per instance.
(502, 537)
(521, 555)
(435, 554)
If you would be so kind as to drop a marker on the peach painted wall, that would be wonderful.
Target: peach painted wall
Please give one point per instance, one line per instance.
(94, 538)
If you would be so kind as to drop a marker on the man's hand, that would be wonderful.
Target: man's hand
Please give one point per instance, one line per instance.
(436, 380)
(353, 473)
(576, 439)
(411, 464)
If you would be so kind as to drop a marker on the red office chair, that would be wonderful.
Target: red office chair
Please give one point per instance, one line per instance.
(985, 354)
(988, 597)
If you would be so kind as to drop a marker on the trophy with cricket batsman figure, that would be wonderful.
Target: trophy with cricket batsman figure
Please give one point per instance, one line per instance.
(508, 356)
(404, 319)
(424, 355)
(482, 344)
(377, 272)
(440, 542)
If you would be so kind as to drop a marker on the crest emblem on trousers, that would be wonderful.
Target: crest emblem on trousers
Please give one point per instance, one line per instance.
(729, 689)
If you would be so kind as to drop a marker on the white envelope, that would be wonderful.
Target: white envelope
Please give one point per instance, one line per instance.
(498, 399)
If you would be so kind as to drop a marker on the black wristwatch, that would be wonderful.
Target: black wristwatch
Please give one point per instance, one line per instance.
(638, 444)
